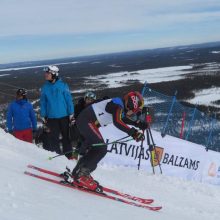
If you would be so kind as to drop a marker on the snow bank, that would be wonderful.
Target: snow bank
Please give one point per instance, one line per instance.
(26, 198)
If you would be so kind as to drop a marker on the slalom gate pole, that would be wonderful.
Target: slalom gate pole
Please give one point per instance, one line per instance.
(142, 148)
(163, 132)
(155, 150)
(94, 145)
(150, 149)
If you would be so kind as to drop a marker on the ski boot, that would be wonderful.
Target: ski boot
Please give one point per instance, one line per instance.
(84, 179)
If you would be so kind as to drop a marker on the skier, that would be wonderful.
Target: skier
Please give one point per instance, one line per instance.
(116, 111)
(21, 119)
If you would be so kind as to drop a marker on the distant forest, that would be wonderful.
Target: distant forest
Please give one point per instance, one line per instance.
(75, 72)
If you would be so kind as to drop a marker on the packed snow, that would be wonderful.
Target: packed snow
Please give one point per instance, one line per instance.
(203, 97)
(114, 80)
(27, 198)
(4, 75)
(206, 97)
(38, 66)
(156, 75)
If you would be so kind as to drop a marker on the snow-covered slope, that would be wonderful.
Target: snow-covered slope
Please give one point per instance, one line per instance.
(25, 198)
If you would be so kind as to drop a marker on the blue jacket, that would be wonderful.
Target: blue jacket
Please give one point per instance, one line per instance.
(56, 100)
(21, 116)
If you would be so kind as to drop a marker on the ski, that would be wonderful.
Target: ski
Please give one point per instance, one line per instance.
(105, 189)
(104, 195)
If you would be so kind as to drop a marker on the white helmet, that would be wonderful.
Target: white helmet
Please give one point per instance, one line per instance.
(54, 70)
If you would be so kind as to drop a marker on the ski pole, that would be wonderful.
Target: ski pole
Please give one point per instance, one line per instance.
(151, 150)
(113, 142)
(94, 145)
(121, 138)
(59, 155)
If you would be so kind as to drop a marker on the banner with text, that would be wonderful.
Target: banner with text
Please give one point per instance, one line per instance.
(177, 157)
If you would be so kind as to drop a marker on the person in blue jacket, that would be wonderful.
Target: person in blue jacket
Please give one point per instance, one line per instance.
(21, 119)
(57, 110)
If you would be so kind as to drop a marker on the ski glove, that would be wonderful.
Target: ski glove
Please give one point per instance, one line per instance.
(138, 136)
(143, 125)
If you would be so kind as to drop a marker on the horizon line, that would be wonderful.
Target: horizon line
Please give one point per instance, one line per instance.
(116, 52)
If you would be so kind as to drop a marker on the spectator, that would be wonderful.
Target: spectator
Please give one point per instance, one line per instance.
(88, 98)
(21, 119)
(76, 139)
(56, 109)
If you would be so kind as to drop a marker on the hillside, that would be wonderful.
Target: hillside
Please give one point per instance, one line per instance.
(97, 73)
(26, 198)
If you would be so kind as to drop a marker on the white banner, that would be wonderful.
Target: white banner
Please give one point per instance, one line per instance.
(177, 157)
(211, 171)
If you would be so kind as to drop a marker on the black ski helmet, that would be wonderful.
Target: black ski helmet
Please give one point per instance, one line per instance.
(21, 92)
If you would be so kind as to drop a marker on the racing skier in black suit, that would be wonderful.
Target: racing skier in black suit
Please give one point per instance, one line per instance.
(116, 111)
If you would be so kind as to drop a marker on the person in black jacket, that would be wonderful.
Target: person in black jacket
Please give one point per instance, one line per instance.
(76, 139)
(99, 114)
(88, 98)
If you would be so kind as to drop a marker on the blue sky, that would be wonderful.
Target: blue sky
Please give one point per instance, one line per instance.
(47, 29)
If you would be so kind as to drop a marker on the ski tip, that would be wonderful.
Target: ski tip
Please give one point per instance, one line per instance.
(49, 158)
(146, 201)
(28, 173)
(156, 208)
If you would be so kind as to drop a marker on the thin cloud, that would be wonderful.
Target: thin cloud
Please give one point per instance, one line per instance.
(45, 17)
(46, 29)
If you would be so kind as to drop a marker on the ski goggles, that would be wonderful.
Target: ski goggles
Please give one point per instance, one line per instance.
(47, 70)
(90, 96)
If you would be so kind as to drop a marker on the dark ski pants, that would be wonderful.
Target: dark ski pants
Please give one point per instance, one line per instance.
(75, 137)
(59, 126)
(89, 130)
